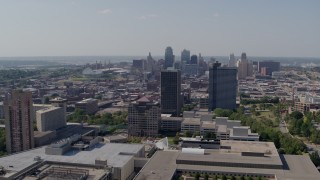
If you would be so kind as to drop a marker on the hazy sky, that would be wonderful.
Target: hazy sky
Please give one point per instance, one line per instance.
(135, 27)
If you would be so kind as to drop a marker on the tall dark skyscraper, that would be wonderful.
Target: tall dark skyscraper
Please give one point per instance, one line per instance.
(194, 59)
(222, 87)
(168, 58)
(171, 92)
(19, 117)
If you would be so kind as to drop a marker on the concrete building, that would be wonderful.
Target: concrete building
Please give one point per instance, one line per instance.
(19, 119)
(50, 119)
(100, 162)
(89, 106)
(191, 124)
(144, 118)
(168, 58)
(170, 84)
(233, 158)
(171, 124)
(60, 102)
(222, 87)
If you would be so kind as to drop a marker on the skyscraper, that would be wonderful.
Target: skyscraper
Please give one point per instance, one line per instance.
(19, 117)
(194, 59)
(185, 56)
(245, 67)
(168, 58)
(171, 92)
(222, 87)
(232, 61)
(144, 118)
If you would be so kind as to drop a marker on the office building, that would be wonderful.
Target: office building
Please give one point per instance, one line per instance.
(194, 59)
(50, 119)
(172, 124)
(245, 67)
(19, 117)
(191, 69)
(1, 110)
(171, 92)
(168, 58)
(269, 67)
(185, 57)
(232, 61)
(222, 87)
(89, 106)
(60, 102)
(144, 118)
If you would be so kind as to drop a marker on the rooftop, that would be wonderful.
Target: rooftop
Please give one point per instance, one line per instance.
(110, 151)
(161, 166)
(191, 121)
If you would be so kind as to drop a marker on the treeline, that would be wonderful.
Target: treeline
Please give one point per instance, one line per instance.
(268, 132)
(115, 118)
(265, 99)
(16, 74)
(302, 125)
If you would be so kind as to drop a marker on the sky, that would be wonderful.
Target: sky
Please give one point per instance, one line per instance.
(286, 28)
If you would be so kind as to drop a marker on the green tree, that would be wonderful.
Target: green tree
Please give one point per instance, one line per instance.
(224, 177)
(242, 178)
(206, 177)
(187, 134)
(197, 176)
(296, 115)
(215, 177)
(233, 178)
(314, 156)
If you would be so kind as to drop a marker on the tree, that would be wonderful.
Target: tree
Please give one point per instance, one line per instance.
(216, 177)
(315, 158)
(176, 139)
(187, 134)
(296, 115)
(242, 178)
(196, 133)
(197, 176)
(233, 178)
(224, 177)
(206, 177)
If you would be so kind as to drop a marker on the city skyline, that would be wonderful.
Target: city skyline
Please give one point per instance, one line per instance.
(112, 28)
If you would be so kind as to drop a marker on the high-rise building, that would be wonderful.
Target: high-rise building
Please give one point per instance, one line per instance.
(245, 67)
(185, 56)
(144, 118)
(270, 66)
(168, 58)
(222, 87)
(150, 63)
(171, 92)
(19, 117)
(232, 61)
(194, 59)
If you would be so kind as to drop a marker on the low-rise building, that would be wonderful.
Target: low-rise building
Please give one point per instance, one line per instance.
(89, 106)
(233, 158)
(50, 119)
(172, 124)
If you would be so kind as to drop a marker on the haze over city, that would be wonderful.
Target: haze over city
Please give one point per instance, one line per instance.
(288, 28)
